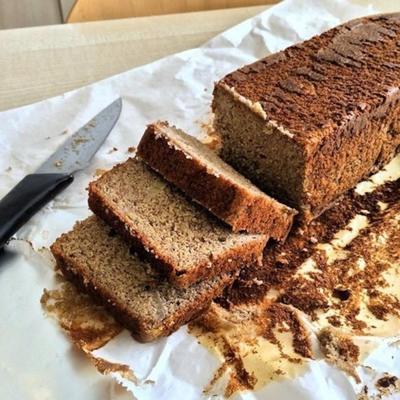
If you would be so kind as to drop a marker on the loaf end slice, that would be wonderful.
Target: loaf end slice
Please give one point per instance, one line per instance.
(207, 179)
(95, 258)
(181, 239)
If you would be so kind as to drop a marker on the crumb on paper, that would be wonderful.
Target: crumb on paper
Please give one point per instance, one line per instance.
(387, 385)
(239, 333)
(89, 125)
(363, 395)
(9, 169)
(328, 293)
(211, 138)
(64, 132)
(131, 149)
(279, 372)
(106, 367)
(340, 351)
(58, 163)
(79, 140)
(99, 171)
(113, 150)
(387, 381)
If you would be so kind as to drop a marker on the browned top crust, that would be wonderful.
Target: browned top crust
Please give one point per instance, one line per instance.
(317, 86)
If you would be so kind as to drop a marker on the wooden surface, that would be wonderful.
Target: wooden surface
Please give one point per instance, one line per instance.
(21, 13)
(94, 10)
(66, 7)
(37, 63)
(41, 62)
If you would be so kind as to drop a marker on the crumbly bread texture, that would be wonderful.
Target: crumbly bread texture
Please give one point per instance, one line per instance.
(94, 257)
(306, 124)
(180, 238)
(206, 178)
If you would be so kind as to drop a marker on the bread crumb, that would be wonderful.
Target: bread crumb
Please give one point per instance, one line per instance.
(99, 171)
(340, 351)
(211, 139)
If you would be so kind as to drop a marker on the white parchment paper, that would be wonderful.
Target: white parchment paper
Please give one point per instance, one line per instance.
(36, 360)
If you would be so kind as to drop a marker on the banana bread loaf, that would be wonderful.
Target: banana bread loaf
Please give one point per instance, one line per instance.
(180, 238)
(94, 257)
(306, 124)
(207, 179)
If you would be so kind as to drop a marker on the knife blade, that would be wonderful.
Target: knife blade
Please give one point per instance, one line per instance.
(77, 151)
(56, 173)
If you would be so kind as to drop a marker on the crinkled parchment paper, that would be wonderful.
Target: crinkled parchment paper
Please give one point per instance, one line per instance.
(37, 361)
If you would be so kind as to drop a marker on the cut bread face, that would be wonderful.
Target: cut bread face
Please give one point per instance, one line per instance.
(101, 263)
(181, 239)
(202, 175)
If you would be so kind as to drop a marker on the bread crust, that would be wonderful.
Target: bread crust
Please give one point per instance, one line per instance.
(334, 100)
(240, 208)
(229, 261)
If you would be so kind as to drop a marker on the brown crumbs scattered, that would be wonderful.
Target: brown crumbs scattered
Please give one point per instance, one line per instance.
(302, 275)
(336, 286)
(387, 381)
(279, 372)
(259, 319)
(381, 305)
(387, 385)
(286, 319)
(252, 334)
(105, 367)
(339, 350)
(78, 140)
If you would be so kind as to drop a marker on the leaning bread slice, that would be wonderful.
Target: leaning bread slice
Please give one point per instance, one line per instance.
(180, 238)
(202, 175)
(102, 264)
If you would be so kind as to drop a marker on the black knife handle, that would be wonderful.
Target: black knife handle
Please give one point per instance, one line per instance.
(25, 199)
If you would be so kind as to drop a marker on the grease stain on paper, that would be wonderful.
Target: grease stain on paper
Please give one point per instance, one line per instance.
(89, 325)
(257, 344)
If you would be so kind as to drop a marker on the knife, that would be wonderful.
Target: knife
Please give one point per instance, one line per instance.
(56, 173)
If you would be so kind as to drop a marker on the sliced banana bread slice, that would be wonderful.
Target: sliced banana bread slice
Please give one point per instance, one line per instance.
(207, 179)
(101, 263)
(181, 239)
